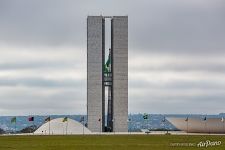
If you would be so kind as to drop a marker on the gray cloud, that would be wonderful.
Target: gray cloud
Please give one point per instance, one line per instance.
(178, 84)
(36, 65)
(42, 101)
(178, 100)
(179, 26)
(182, 67)
(41, 82)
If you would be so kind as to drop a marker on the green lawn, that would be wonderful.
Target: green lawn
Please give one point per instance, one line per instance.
(106, 142)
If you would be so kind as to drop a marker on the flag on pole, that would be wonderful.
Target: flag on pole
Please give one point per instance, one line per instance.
(65, 119)
(204, 119)
(222, 119)
(31, 119)
(47, 119)
(108, 62)
(164, 119)
(82, 119)
(106, 66)
(13, 120)
(145, 116)
(187, 119)
(106, 69)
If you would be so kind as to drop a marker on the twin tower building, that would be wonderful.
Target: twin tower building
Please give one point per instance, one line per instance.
(107, 75)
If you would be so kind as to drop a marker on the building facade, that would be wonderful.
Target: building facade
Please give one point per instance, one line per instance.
(111, 75)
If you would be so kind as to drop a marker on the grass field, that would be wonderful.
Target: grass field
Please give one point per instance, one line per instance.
(107, 142)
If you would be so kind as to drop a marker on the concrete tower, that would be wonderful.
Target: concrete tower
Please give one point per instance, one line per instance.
(111, 74)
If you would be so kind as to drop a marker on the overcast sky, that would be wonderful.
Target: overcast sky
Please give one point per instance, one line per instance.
(176, 55)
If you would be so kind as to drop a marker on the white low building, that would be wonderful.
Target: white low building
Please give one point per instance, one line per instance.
(198, 125)
(58, 127)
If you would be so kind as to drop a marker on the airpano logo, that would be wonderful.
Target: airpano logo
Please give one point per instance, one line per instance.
(202, 144)
(209, 143)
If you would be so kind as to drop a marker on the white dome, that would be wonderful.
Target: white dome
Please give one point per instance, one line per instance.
(57, 126)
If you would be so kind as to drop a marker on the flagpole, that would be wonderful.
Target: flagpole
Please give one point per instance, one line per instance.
(128, 126)
(33, 127)
(164, 127)
(30, 126)
(83, 125)
(223, 124)
(114, 124)
(130, 123)
(148, 124)
(15, 127)
(100, 126)
(163, 121)
(187, 125)
(186, 120)
(206, 127)
(66, 126)
(49, 126)
(205, 124)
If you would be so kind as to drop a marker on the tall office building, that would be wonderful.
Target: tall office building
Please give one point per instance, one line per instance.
(109, 75)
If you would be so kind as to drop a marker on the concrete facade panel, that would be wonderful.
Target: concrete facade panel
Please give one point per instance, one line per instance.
(120, 73)
(95, 45)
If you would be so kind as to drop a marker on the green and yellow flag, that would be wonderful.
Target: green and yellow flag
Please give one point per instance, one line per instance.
(13, 120)
(47, 119)
(106, 66)
(106, 69)
(145, 116)
(108, 62)
(65, 119)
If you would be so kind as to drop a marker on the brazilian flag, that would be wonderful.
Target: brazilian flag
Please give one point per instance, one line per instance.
(108, 62)
(13, 120)
(47, 119)
(145, 116)
(65, 119)
(106, 66)
(106, 69)
(204, 119)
